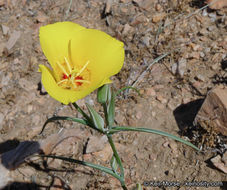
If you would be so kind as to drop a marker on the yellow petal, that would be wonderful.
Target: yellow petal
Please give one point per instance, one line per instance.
(55, 38)
(104, 53)
(64, 96)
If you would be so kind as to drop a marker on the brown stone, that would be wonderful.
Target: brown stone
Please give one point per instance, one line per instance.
(218, 163)
(213, 114)
(144, 4)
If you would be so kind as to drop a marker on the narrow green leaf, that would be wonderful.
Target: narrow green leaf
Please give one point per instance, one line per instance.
(102, 94)
(56, 118)
(111, 110)
(96, 118)
(123, 128)
(114, 164)
(91, 165)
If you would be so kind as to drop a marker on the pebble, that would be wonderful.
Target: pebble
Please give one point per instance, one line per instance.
(200, 78)
(158, 7)
(218, 163)
(215, 66)
(202, 54)
(144, 4)
(161, 99)
(204, 13)
(5, 79)
(13, 39)
(150, 92)
(171, 105)
(5, 29)
(127, 29)
(96, 144)
(146, 40)
(153, 114)
(212, 15)
(158, 17)
(182, 66)
(139, 115)
(174, 68)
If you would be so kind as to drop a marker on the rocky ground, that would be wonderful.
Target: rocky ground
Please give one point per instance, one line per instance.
(172, 90)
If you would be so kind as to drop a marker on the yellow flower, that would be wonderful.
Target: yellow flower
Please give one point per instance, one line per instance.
(81, 60)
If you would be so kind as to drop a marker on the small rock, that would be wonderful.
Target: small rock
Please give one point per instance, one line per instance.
(171, 105)
(41, 17)
(150, 92)
(12, 40)
(212, 15)
(6, 79)
(144, 4)
(202, 54)
(215, 66)
(165, 144)
(109, 4)
(153, 114)
(146, 40)
(96, 144)
(173, 146)
(200, 77)
(174, 68)
(104, 154)
(139, 115)
(204, 13)
(27, 172)
(161, 99)
(57, 184)
(5, 29)
(4, 176)
(158, 17)
(218, 163)
(195, 55)
(139, 19)
(195, 47)
(218, 4)
(181, 66)
(127, 29)
(214, 105)
(158, 7)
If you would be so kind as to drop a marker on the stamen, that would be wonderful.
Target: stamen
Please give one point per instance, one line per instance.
(68, 65)
(62, 81)
(62, 68)
(83, 81)
(84, 67)
(69, 51)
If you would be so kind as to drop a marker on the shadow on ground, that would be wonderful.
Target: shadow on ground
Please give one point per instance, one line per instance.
(186, 113)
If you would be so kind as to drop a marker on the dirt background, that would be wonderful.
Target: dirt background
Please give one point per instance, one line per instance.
(172, 90)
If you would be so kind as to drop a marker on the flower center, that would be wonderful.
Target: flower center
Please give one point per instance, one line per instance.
(72, 78)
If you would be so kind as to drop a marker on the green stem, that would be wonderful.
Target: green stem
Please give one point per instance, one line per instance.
(81, 111)
(116, 154)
